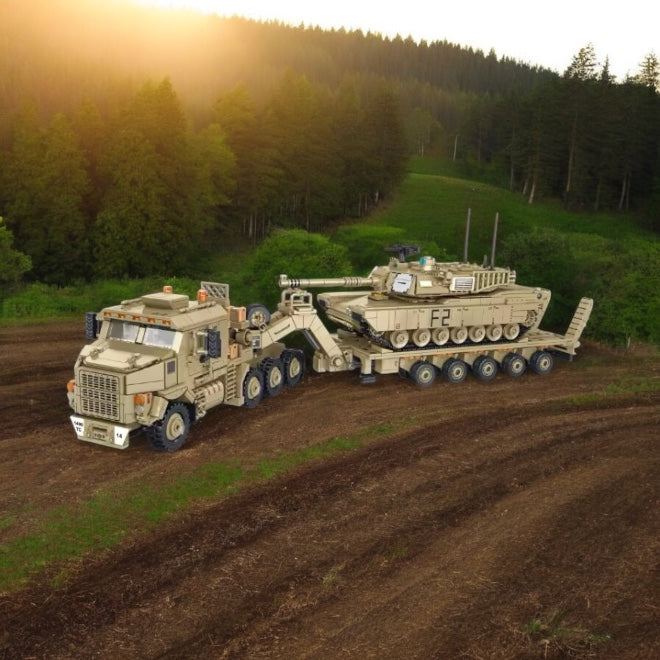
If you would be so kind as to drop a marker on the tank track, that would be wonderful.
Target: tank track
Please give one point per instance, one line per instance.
(369, 334)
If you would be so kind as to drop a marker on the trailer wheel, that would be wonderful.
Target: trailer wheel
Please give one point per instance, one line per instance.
(455, 370)
(541, 362)
(169, 433)
(253, 388)
(273, 372)
(293, 361)
(484, 368)
(257, 315)
(514, 365)
(423, 373)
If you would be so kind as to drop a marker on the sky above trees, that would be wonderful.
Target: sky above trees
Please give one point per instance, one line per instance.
(540, 34)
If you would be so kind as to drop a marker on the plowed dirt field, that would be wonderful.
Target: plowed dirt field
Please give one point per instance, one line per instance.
(511, 519)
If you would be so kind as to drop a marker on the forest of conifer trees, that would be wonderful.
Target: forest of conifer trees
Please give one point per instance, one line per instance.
(130, 138)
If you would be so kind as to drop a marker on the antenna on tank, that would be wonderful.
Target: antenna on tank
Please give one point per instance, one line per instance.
(492, 250)
(467, 236)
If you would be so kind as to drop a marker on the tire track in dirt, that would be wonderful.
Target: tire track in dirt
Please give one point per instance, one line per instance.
(338, 559)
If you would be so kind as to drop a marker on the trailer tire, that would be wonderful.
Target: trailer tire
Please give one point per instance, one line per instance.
(257, 315)
(293, 361)
(541, 363)
(514, 365)
(169, 433)
(484, 368)
(455, 370)
(423, 373)
(253, 388)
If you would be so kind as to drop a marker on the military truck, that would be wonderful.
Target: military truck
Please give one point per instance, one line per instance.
(161, 361)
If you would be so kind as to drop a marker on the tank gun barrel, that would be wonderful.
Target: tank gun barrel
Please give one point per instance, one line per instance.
(286, 282)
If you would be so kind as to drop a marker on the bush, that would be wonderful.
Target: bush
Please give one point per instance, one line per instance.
(294, 252)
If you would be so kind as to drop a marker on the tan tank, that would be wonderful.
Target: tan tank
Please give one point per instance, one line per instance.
(425, 303)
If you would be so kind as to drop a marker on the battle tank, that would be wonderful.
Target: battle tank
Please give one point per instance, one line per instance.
(425, 303)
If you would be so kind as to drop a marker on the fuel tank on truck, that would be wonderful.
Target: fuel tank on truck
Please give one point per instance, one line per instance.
(425, 303)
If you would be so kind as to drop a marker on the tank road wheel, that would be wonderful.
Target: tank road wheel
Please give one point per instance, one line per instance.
(440, 336)
(399, 338)
(494, 332)
(477, 333)
(257, 315)
(169, 433)
(273, 372)
(459, 335)
(421, 337)
(484, 368)
(541, 362)
(455, 370)
(293, 361)
(511, 331)
(514, 365)
(253, 388)
(423, 373)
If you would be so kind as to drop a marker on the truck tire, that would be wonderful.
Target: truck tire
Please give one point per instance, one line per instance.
(257, 315)
(253, 388)
(273, 372)
(169, 433)
(423, 373)
(293, 361)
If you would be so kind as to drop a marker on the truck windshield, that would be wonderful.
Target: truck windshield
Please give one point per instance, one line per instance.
(140, 334)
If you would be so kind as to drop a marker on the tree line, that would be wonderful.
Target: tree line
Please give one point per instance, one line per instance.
(142, 192)
(251, 126)
(582, 137)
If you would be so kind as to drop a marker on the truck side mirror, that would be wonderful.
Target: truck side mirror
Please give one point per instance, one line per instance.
(91, 325)
(213, 343)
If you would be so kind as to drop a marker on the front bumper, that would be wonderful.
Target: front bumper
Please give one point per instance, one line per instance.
(101, 432)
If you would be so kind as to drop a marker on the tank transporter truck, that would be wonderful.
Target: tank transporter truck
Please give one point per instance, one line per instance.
(158, 363)
(161, 361)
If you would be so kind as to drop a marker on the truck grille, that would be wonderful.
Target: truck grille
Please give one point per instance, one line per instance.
(99, 395)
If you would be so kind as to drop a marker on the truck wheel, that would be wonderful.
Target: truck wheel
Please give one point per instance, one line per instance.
(273, 373)
(514, 365)
(423, 373)
(253, 388)
(484, 368)
(257, 315)
(293, 361)
(454, 370)
(541, 362)
(169, 433)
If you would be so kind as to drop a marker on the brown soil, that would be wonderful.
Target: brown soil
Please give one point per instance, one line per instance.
(513, 519)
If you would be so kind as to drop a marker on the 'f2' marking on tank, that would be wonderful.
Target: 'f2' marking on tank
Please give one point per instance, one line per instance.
(440, 317)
